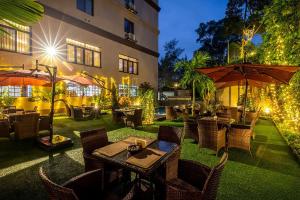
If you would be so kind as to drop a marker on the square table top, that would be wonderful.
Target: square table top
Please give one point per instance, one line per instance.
(159, 151)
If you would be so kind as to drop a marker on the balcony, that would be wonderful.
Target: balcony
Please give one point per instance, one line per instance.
(131, 7)
(130, 37)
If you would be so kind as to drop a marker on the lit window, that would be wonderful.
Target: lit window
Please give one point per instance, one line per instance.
(12, 91)
(81, 53)
(92, 90)
(125, 90)
(128, 65)
(71, 53)
(74, 90)
(88, 57)
(97, 59)
(15, 40)
(86, 6)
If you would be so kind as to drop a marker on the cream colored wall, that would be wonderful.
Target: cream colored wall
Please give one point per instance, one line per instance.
(109, 15)
(49, 27)
(223, 96)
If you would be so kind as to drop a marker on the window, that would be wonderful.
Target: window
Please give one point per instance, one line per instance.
(12, 91)
(125, 90)
(80, 53)
(86, 6)
(16, 40)
(128, 65)
(92, 90)
(74, 90)
(128, 26)
(129, 2)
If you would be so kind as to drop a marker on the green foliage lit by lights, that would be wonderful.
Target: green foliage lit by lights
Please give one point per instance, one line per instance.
(6, 99)
(148, 106)
(281, 40)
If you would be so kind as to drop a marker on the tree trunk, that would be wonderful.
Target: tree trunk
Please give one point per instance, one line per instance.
(194, 99)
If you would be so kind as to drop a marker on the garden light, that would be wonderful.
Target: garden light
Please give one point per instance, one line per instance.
(51, 51)
(267, 111)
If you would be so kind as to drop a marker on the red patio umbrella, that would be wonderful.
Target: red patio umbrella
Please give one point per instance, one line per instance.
(250, 74)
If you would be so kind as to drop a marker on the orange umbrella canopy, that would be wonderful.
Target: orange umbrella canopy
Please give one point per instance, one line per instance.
(251, 72)
(24, 77)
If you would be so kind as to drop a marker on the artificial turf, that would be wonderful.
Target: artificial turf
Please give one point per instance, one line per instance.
(272, 173)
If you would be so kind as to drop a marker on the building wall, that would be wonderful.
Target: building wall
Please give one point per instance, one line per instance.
(109, 17)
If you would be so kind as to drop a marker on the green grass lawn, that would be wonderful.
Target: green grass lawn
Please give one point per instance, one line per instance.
(273, 172)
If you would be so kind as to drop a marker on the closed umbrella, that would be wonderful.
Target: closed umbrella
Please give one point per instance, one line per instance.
(250, 74)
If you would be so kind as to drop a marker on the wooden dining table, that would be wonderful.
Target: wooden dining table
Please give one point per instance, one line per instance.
(146, 162)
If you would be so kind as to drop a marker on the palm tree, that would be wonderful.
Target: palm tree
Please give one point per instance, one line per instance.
(190, 77)
(23, 12)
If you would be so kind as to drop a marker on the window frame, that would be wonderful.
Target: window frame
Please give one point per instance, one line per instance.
(129, 60)
(131, 26)
(83, 56)
(85, 8)
(16, 39)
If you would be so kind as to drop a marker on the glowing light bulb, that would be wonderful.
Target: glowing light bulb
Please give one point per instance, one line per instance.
(51, 51)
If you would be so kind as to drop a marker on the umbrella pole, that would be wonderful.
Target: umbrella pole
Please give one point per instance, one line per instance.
(53, 77)
(245, 102)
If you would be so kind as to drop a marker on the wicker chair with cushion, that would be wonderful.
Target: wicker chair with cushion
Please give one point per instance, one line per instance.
(84, 186)
(170, 134)
(240, 138)
(4, 128)
(92, 140)
(209, 135)
(195, 181)
(170, 113)
(27, 126)
(135, 119)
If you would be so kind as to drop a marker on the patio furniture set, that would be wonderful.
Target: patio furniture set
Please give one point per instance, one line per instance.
(129, 116)
(154, 172)
(23, 123)
(84, 112)
(225, 130)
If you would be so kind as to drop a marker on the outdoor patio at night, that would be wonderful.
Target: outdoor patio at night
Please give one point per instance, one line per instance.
(125, 100)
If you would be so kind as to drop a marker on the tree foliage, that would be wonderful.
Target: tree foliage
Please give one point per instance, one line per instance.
(203, 84)
(281, 40)
(23, 12)
(214, 36)
(166, 74)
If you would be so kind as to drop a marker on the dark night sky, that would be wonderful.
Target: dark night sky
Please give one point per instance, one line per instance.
(180, 18)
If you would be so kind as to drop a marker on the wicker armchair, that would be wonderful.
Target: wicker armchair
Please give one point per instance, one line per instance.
(84, 186)
(4, 128)
(170, 134)
(77, 114)
(170, 113)
(191, 129)
(44, 123)
(209, 135)
(240, 138)
(195, 181)
(135, 119)
(27, 126)
(95, 139)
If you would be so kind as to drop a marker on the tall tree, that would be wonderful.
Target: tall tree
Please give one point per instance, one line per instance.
(194, 80)
(241, 23)
(166, 74)
(23, 12)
